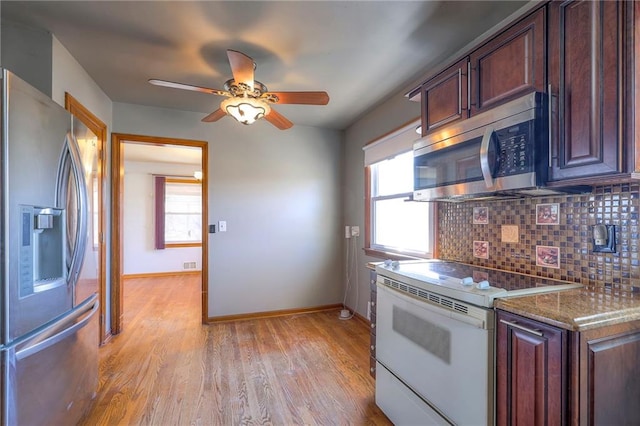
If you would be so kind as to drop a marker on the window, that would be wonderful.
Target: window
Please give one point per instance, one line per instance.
(178, 212)
(182, 212)
(397, 225)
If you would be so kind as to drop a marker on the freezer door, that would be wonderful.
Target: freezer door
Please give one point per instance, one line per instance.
(34, 132)
(52, 377)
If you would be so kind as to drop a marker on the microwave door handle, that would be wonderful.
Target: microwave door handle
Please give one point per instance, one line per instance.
(485, 167)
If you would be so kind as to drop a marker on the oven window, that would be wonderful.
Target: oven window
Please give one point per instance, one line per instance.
(397, 226)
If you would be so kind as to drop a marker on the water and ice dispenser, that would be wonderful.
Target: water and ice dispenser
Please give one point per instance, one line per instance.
(42, 249)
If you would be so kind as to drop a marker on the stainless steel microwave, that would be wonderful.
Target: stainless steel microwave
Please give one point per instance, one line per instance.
(504, 151)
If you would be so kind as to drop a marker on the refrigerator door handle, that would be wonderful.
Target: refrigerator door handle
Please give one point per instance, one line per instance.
(71, 164)
(50, 335)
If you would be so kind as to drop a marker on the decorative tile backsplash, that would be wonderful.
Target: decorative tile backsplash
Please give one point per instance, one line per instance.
(558, 226)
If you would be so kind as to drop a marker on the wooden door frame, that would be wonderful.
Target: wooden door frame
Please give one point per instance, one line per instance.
(117, 192)
(99, 128)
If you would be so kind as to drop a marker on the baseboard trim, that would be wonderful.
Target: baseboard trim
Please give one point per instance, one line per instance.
(359, 317)
(106, 339)
(160, 274)
(271, 314)
(362, 319)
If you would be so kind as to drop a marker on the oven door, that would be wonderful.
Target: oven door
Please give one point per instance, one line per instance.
(436, 356)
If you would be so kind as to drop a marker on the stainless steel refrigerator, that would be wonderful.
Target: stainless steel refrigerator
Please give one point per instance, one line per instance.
(49, 250)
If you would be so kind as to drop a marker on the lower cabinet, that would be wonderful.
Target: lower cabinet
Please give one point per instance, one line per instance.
(606, 362)
(372, 305)
(547, 375)
(531, 372)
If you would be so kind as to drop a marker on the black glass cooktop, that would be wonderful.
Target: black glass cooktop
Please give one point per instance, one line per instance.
(444, 272)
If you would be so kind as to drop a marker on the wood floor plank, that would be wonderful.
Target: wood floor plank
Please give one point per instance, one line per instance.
(166, 368)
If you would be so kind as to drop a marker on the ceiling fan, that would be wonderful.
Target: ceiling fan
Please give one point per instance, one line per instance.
(248, 100)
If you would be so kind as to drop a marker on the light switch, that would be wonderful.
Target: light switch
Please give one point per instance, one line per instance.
(222, 226)
(510, 234)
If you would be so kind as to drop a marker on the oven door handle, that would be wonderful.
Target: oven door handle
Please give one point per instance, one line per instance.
(485, 167)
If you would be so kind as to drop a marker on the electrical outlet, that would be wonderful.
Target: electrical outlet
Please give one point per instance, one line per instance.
(355, 231)
(604, 238)
(222, 226)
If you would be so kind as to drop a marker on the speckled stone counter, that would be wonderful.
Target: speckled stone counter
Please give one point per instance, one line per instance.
(575, 310)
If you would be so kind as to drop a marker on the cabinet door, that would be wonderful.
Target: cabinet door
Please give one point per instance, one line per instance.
(584, 75)
(531, 370)
(610, 377)
(445, 97)
(510, 65)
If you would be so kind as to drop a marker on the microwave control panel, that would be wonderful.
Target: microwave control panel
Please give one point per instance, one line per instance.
(515, 150)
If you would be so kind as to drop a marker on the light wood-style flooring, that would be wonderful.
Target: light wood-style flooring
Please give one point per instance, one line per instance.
(166, 368)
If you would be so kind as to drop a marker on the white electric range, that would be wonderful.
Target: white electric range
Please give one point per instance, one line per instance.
(435, 338)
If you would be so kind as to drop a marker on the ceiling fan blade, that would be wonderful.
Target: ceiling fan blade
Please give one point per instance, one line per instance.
(214, 116)
(242, 67)
(183, 86)
(305, 98)
(278, 120)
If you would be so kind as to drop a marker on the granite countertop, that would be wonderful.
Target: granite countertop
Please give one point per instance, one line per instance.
(576, 310)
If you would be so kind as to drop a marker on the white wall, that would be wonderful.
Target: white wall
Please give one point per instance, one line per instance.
(279, 192)
(390, 115)
(139, 253)
(69, 76)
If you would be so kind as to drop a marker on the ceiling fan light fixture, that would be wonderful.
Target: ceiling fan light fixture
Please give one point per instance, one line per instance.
(245, 110)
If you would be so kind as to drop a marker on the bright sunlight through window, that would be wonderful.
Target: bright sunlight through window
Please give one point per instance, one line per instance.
(183, 212)
(398, 225)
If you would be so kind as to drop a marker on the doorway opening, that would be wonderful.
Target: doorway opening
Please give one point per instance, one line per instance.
(145, 151)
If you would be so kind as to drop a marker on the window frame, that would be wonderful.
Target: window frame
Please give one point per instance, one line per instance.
(386, 252)
(161, 214)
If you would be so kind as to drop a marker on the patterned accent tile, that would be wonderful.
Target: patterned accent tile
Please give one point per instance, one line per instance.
(617, 205)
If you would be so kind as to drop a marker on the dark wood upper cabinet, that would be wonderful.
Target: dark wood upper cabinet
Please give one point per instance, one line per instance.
(509, 65)
(583, 55)
(445, 97)
(531, 372)
(586, 41)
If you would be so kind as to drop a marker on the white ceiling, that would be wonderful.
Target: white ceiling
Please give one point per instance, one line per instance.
(360, 52)
(162, 153)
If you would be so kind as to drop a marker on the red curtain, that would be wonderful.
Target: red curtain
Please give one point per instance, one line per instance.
(160, 182)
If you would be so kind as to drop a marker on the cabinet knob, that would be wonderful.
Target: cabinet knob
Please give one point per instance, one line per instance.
(373, 348)
(373, 325)
(373, 370)
(373, 304)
